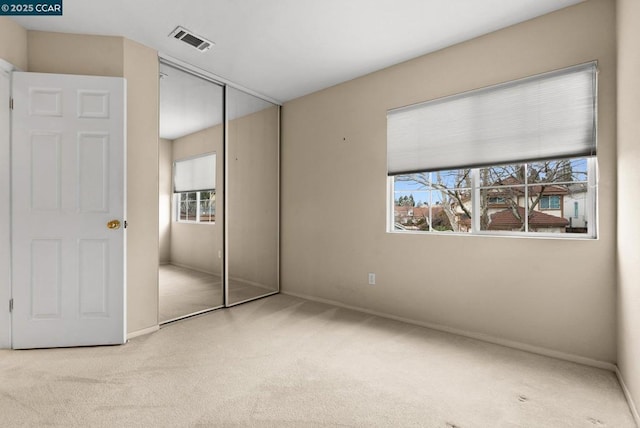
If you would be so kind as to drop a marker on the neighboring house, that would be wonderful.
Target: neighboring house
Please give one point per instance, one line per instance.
(548, 215)
(403, 214)
(575, 203)
(417, 218)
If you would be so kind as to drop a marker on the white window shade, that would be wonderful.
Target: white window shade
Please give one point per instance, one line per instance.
(547, 116)
(195, 174)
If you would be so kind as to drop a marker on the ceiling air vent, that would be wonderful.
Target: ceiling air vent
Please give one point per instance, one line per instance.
(191, 39)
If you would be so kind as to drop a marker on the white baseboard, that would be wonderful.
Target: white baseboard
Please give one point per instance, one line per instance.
(142, 332)
(252, 283)
(627, 395)
(473, 335)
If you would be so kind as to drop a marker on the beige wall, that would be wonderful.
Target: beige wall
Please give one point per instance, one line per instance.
(165, 162)
(544, 293)
(629, 206)
(141, 69)
(13, 43)
(198, 246)
(75, 54)
(115, 56)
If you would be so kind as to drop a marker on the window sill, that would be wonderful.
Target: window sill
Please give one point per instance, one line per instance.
(517, 235)
(194, 222)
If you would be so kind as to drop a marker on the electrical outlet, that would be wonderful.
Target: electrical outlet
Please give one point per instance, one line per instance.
(372, 278)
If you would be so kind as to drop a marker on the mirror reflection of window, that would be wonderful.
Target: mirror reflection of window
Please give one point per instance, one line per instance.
(195, 189)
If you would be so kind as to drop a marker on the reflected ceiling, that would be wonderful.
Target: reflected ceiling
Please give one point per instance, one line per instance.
(189, 104)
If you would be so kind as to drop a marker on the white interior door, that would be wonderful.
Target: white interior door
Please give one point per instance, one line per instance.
(68, 210)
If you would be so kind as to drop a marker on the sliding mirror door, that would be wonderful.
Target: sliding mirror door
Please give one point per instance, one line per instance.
(191, 184)
(252, 184)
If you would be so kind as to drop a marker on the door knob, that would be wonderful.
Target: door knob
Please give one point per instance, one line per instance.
(114, 224)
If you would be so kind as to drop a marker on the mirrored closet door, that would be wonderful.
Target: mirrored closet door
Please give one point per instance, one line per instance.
(190, 278)
(253, 147)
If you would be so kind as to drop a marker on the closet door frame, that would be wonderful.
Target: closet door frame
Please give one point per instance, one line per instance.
(226, 84)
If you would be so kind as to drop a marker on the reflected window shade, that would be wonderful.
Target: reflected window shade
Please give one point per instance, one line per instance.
(547, 116)
(195, 174)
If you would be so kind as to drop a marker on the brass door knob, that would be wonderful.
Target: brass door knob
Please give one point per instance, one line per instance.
(114, 224)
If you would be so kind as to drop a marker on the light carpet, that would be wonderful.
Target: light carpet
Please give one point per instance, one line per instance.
(286, 362)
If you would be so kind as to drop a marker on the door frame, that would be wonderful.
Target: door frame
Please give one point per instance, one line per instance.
(5, 203)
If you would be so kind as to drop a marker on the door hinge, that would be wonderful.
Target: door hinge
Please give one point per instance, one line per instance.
(10, 305)
(10, 103)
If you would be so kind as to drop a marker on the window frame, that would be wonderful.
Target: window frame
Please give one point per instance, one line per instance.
(176, 207)
(591, 209)
(194, 188)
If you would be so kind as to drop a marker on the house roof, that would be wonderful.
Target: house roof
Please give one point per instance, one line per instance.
(505, 220)
(577, 188)
(402, 209)
(549, 189)
(422, 211)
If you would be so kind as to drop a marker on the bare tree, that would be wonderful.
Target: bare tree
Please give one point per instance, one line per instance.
(454, 187)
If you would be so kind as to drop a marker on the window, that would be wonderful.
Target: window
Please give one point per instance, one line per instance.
(507, 159)
(196, 206)
(194, 189)
(440, 199)
(494, 199)
(550, 202)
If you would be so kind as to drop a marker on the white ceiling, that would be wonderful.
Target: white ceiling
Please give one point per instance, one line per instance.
(284, 49)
